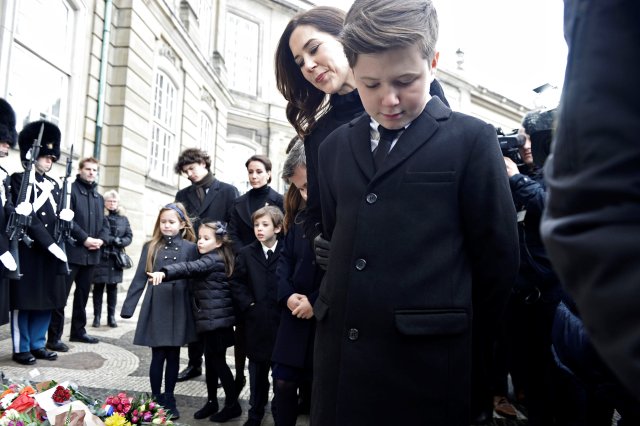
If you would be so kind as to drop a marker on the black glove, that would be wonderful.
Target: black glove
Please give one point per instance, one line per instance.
(322, 249)
(117, 241)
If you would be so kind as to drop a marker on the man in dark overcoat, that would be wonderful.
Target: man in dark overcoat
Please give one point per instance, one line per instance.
(84, 254)
(40, 289)
(591, 226)
(206, 198)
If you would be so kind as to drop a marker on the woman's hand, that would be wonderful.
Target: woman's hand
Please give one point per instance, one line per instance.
(156, 277)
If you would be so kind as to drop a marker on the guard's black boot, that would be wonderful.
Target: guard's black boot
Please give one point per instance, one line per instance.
(112, 292)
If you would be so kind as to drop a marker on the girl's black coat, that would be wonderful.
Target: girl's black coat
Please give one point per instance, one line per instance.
(165, 317)
(107, 271)
(297, 273)
(210, 294)
(254, 286)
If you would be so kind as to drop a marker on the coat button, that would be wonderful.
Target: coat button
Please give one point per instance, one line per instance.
(360, 264)
(166, 248)
(166, 257)
(175, 258)
(371, 198)
(43, 213)
(353, 334)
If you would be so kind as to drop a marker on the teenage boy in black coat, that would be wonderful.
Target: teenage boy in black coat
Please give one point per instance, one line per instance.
(254, 286)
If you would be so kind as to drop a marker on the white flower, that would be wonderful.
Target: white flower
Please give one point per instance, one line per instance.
(7, 400)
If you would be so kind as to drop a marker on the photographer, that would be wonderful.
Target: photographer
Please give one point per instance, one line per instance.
(536, 293)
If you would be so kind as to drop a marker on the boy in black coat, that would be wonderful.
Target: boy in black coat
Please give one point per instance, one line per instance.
(254, 286)
(424, 245)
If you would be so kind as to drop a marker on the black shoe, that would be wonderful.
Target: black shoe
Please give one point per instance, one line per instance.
(24, 358)
(227, 413)
(85, 338)
(96, 322)
(172, 406)
(252, 422)
(209, 409)
(57, 346)
(111, 321)
(189, 373)
(42, 353)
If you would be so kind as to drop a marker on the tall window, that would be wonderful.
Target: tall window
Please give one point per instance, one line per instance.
(163, 133)
(241, 54)
(207, 136)
(204, 24)
(40, 65)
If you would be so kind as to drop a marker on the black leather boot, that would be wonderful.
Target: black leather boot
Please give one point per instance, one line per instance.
(112, 292)
(171, 405)
(97, 304)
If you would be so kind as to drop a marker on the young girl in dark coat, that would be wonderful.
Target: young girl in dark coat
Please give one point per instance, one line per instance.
(254, 286)
(298, 283)
(213, 311)
(165, 322)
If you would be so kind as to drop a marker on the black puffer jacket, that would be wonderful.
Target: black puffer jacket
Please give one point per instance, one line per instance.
(210, 294)
(116, 235)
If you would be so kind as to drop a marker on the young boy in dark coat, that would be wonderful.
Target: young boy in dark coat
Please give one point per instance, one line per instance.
(424, 245)
(254, 286)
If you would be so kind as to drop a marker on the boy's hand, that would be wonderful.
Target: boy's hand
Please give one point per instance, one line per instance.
(156, 277)
(304, 310)
(321, 248)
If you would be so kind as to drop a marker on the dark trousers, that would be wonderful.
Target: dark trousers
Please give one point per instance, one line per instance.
(82, 275)
(259, 388)
(112, 297)
(195, 351)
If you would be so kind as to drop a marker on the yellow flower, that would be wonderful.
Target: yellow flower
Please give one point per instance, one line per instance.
(116, 419)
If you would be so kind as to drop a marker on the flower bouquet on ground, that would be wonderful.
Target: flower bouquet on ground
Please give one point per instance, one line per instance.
(18, 406)
(122, 410)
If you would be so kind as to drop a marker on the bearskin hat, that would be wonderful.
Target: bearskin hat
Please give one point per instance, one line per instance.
(7, 124)
(50, 144)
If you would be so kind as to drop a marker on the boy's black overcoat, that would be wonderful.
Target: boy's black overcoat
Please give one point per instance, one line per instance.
(254, 280)
(411, 246)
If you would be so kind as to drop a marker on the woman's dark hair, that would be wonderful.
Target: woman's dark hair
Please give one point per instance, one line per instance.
(261, 158)
(305, 103)
(223, 238)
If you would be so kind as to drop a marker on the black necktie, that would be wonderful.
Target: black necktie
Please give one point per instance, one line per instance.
(384, 144)
(269, 253)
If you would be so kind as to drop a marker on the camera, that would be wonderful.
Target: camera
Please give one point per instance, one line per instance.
(510, 145)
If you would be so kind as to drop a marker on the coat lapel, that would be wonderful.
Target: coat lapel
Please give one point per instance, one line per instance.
(212, 193)
(418, 133)
(360, 141)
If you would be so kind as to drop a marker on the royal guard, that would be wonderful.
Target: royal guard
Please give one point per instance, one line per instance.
(38, 291)
(8, 139)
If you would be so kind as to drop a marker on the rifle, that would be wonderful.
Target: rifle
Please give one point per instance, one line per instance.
(62, 231)
(18, 224)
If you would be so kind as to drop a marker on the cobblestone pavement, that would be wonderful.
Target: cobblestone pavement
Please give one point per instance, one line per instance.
(116, 364)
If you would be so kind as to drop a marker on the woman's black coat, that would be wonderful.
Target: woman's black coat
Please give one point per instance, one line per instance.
(240, 224)
(297, 273)
(254, 286)
(210, 294)
(116, 235)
